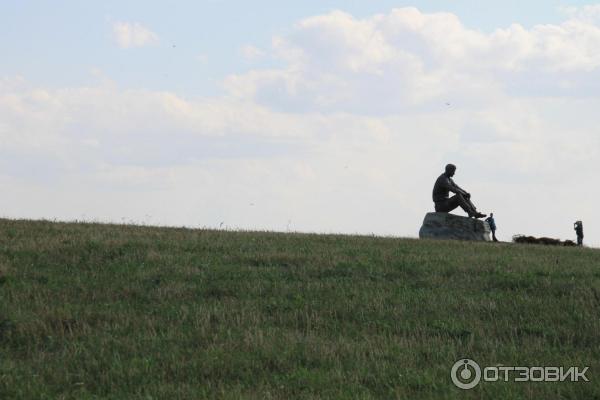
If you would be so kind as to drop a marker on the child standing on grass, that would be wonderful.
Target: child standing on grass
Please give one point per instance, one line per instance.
(492, 223)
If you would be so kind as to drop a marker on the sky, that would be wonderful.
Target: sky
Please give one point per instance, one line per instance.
(314, 116)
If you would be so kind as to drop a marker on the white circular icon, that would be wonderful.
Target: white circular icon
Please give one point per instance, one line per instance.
(463, 376)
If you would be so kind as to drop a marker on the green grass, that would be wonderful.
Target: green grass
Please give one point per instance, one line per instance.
(90, 311)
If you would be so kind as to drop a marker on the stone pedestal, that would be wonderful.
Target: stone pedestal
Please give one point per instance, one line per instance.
(438, 225)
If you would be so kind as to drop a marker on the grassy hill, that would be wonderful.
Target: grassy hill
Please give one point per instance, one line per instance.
(91, 311)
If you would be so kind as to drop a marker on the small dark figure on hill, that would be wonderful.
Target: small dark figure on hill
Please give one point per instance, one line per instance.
(579, 231)
(441, 195)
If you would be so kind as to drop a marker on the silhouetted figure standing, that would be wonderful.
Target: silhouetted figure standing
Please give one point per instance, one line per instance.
(492, 223)
(441, 192)
(579, 231)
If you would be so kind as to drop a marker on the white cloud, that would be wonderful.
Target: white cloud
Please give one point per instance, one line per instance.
(133, 34)
(251, 53)
(407, 61)
(588, 13)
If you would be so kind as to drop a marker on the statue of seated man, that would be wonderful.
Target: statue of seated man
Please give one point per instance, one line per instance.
(441, 191)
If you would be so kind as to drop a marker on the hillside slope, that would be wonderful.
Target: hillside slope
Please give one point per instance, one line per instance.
(91, 311)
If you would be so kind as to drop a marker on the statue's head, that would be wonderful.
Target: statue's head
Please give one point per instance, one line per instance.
(450, 169)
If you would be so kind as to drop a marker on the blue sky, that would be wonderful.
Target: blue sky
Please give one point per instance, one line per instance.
(323, 116)
(59, 42)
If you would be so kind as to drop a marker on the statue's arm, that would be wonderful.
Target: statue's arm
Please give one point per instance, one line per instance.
(454, 188)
